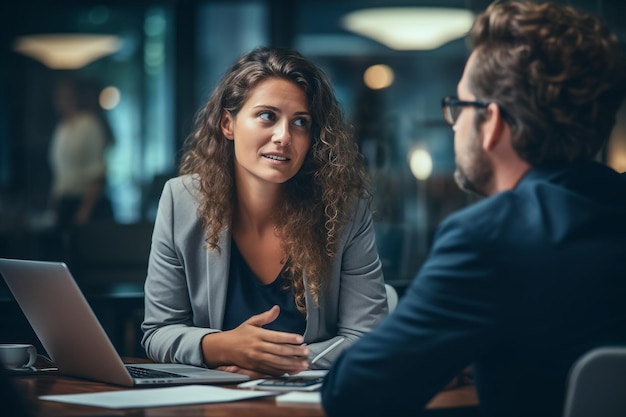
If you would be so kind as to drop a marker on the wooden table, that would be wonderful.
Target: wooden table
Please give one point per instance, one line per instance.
(32, 386)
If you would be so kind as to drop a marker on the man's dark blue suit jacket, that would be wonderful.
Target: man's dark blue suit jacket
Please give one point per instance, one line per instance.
(519, 285)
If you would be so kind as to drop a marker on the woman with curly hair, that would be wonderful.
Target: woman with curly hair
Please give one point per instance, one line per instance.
(263, 257)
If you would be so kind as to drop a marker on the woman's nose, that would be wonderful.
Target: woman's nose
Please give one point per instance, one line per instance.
(282, 135)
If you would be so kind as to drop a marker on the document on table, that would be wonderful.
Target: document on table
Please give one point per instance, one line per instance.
(158, 397)
(300, 397)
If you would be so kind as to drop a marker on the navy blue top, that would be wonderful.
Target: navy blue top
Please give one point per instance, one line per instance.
(246, 297)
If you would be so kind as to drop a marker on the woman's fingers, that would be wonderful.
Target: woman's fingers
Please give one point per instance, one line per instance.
(286, 350)
(238, 370)
(272, 352)
(264, 318)
(271, 336)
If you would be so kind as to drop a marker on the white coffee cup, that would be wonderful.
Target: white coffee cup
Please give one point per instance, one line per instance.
(17, 355)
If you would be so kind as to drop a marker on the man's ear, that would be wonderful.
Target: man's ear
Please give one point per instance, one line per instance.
(226, 124)
(493, 127)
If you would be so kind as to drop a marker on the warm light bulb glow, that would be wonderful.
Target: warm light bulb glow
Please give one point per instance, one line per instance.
(109, 98)
(378, 77)
(67, 51)
(410, 28)
(420, 163)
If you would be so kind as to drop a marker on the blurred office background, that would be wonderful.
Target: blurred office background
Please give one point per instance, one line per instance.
(158, 60)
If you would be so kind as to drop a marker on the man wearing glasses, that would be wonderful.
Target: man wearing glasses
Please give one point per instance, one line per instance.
(522, 283)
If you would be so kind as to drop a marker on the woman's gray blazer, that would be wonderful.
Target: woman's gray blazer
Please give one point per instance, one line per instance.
(185, 289)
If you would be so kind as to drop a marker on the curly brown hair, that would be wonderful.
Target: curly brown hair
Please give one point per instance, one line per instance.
(318, 199)
(557, 74)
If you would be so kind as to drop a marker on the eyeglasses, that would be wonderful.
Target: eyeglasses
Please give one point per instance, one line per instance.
(452, 107)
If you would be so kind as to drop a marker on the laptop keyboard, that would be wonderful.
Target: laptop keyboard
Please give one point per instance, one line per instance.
(143, 373)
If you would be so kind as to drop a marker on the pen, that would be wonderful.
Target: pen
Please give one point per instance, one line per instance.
(328, 349)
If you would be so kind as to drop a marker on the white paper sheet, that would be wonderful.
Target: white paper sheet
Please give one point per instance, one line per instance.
(158, 397)
(300, 397)
(313, 372)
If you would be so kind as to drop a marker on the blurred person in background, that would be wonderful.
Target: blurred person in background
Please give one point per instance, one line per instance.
(78, 155)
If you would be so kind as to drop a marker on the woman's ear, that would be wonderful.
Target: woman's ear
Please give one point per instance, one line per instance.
(226, 123)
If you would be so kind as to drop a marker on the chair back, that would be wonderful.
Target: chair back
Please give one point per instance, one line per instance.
(597, 384)
(392, 297)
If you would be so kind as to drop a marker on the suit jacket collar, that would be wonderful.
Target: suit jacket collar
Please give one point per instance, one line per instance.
(218, 267)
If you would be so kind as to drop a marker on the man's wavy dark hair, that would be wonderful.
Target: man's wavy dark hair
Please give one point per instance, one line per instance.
(557, 73)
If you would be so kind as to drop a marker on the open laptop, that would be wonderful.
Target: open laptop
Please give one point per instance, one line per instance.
(74, 338)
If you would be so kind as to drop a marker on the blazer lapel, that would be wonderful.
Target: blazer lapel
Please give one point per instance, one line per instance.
(312, 316)
(218, 268)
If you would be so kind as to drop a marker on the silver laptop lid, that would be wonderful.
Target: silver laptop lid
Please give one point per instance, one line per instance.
(63, 320)
(72, 335)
